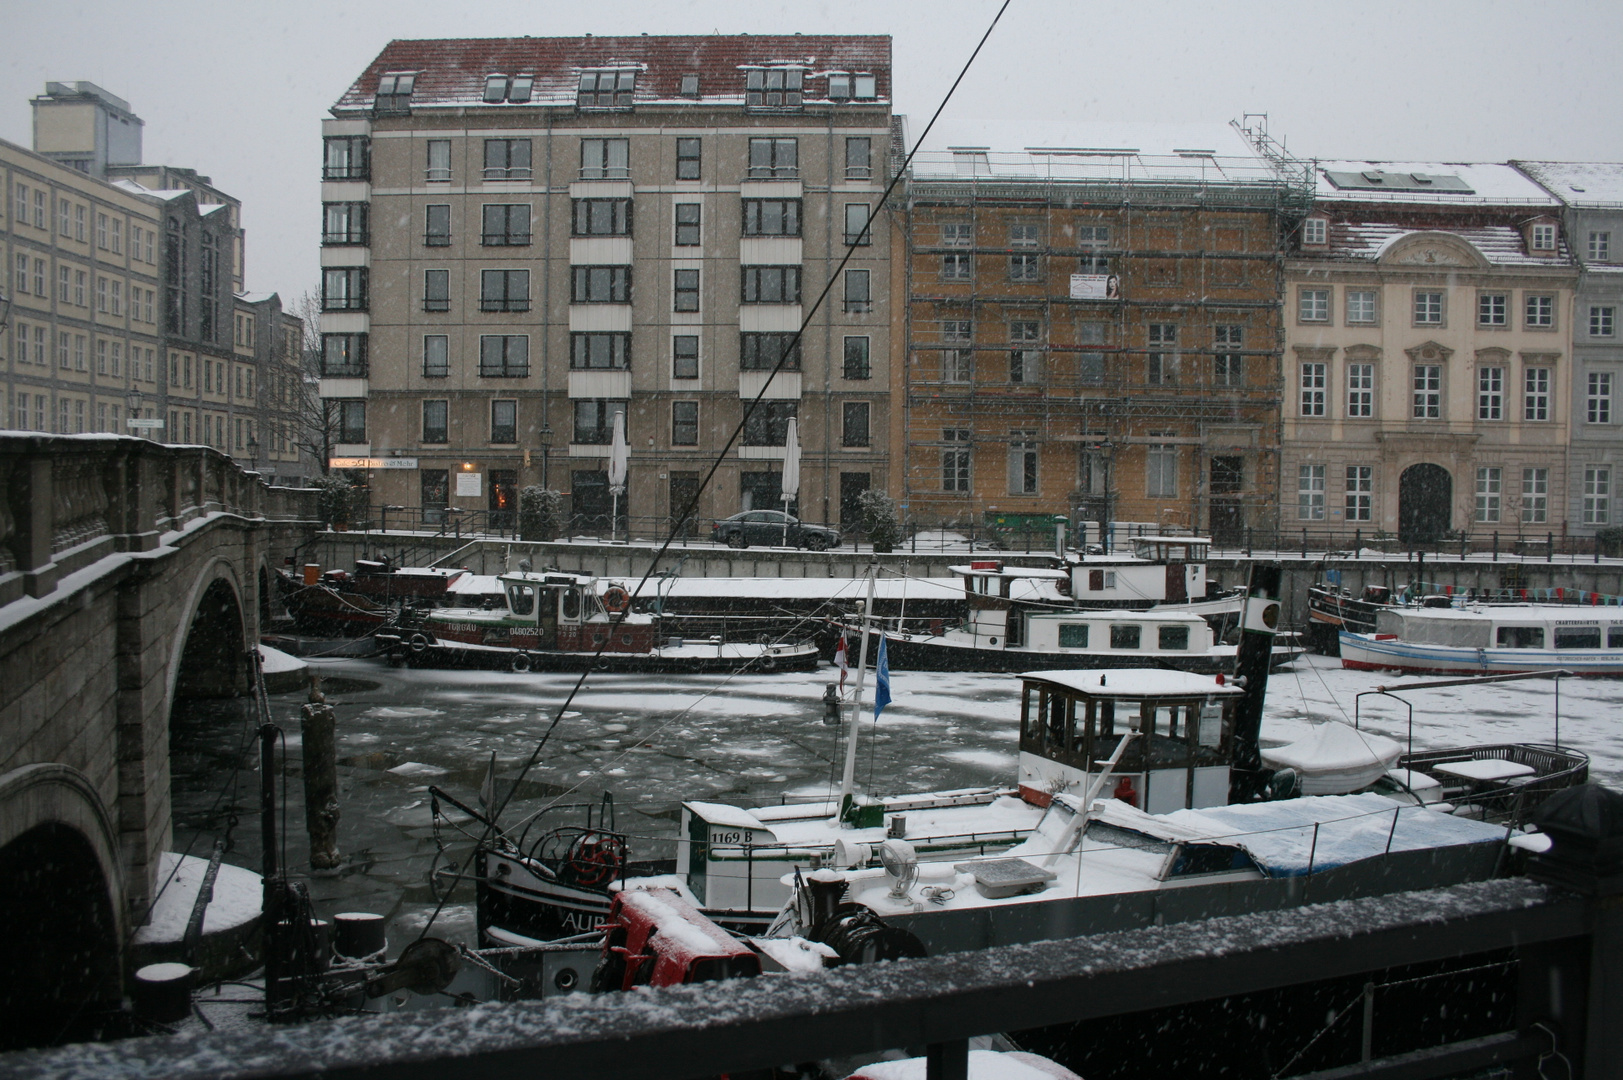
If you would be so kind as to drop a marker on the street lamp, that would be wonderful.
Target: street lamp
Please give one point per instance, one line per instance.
(253, 452)
(546, 453)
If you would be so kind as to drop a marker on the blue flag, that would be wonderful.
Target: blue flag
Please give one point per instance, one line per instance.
(881, 691)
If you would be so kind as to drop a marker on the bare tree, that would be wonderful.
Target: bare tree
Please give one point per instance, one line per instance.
(317, 430)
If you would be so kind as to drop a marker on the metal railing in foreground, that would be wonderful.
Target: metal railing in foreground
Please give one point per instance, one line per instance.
(938, 1003)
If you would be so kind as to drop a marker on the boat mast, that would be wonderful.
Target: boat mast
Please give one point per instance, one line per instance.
(849, 777)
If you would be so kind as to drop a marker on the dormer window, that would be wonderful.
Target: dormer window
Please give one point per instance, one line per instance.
(394, 92)
(1315, 232)
(864, 87)
(773, 88)
(495, 88)
(606, 89)
(839, 86)
(1543, 237)
(519, 92)
(690, 85)
(500, 88)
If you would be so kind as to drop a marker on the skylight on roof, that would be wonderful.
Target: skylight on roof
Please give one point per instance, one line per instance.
(690, 85)
(607, 89)
(1380, 180)
(500, 88)
(394, 91)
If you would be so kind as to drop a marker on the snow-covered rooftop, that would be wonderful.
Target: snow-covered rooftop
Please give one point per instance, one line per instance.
(1135, 682)
(1428, 183)
(1592, 184)
(1501, 245)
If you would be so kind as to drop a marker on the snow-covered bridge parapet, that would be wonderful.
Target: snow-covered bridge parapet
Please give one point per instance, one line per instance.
(940, 1002)
(129, 571)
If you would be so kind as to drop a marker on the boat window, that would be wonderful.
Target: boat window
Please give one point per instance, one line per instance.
(1096, 580)
(1073, 635)
(1209, 859)
(1107, 718)
(1031, 725)
(1577, 637)
(571, 604)
(521, 599)
(1521, 637)
(1614, 637)
(1124, 635)
(1059, 721)
(1174, 637)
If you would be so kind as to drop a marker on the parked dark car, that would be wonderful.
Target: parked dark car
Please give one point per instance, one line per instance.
(767, 527)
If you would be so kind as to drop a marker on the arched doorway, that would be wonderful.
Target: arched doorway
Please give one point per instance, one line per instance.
(1425, 504)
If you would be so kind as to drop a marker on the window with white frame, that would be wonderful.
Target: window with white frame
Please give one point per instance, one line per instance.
(1540, 311)
(1597, 495)
(1490, 393)
(1313, 305)
(957, 234)
(1227, 361)
(1025, 361)
(774, 88)
(1598, 398)
(1316, 231)
(1536, 394)
(1162, 369)
(1161, 469)
(1314, 379)
(1602, 320)
(955, 459)
(600, 159)
(1489, 481)
(1360, 306)
(957, 266)
(1310, 493)
(1428, 308)
(1024, 235)
(439, 161)
(1543, 237)
(1360, 492)
(1600, 247)
(1428, 392)
(1022, 463)
(1361, 390)
(1492, 309)
(606, 89)
(1535, 496)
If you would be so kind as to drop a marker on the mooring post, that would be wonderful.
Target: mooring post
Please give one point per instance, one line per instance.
(319, 728)
(947, 1060)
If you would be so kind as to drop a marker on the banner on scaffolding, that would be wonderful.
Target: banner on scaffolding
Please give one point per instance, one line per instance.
(1095, 287)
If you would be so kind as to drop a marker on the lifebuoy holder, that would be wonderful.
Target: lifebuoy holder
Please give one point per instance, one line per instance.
(616, 599)
(596, 858)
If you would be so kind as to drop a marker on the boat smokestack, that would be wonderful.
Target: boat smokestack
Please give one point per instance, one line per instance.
(1259, 621)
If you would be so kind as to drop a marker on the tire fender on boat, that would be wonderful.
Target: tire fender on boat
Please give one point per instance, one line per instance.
(418, 642)
(521, 663)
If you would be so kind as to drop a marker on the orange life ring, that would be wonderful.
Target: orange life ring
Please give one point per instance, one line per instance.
(616, 599)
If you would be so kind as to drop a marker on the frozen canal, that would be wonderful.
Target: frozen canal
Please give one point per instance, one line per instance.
(653, 741)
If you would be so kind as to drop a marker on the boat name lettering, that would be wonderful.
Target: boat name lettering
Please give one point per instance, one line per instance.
(731, 836)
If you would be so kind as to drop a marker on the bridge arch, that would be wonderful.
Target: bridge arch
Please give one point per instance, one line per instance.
(61, 955)
(206, 655)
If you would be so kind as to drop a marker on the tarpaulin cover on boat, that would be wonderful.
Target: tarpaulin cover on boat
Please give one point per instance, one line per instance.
(1335, 758)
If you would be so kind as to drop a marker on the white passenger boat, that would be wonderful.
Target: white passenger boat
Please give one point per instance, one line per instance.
(1491, 639)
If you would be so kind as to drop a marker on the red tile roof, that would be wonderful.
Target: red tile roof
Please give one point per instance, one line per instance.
(452, 71)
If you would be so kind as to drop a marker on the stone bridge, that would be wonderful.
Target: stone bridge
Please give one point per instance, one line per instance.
(130, 573)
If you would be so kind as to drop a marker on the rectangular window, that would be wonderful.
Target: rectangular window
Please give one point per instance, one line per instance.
(504, 356)
(1535, 496)
(1310, 493)
(688, 158)
(1360, 492)
(606, 89)
(1162, 368)
(79, 282)
(343, 223)
(101, 356)
(1313, 305)
(1490, 393)
(760, 352)
(857, 232)
(955, 459)
(1360, 389)
(957, 266)
(685, 356)
(343, 288)
(854, 430)
(1600, 247)
(1492, 309)
(1602, 320)
(20, 191)
(600, 217)
(436, 290)
(1598, 398)
(684, 423)
(504, 421)
(771, 217)
(774, 159)
(346, 157)
(599, 351)
(64, 219)
(1597, 495)
(1161, 468)
(118, 249)
(439, 161)
(957, 234)
(1227, 340)
(857, 295)
(101, 293)
(594, 420)
(1022, 463)
(437, 225)
(858, 158)
(505, 225)
(1536, 394)
(1315, 230)
(435, 421)
(685, 291)
(687, 224)
(600, 284)
(507, 159)
(770, 284)
(857, 365)
(1428, 392)
(436, 356)
(1314, 382)
(20, 281)
(1025, 268)
(1540, 311)
(768, 425)
(1489, 481)
(101, 231)
(1428, 309)
(351, 421)
(504, 290)
(118, 298)
(343, 356)
(394, 93)
(1543, 237)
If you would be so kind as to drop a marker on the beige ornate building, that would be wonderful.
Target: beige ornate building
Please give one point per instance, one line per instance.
(1428, 360)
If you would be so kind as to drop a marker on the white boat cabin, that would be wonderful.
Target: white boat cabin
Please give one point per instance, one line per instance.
(1510, 626)
(1137, 635)
(1160, 570)
(1073, 721)
(992, 592)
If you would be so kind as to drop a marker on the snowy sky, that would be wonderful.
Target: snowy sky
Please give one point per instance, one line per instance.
(237, 91)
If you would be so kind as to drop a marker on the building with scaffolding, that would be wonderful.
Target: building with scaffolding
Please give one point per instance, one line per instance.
(1092, 326)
